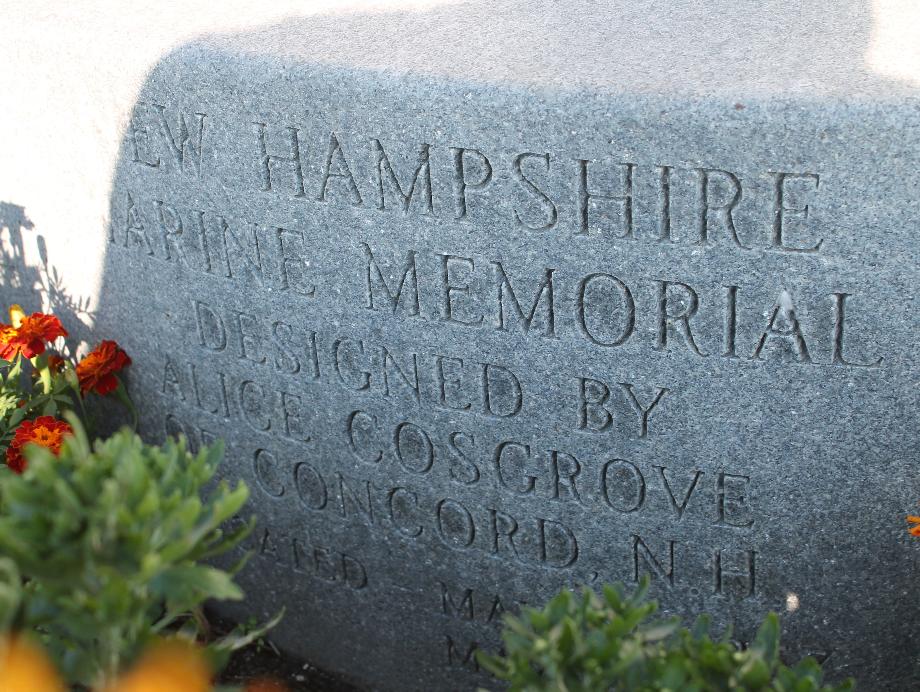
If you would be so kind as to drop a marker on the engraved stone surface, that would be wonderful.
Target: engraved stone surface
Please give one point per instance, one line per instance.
(492, 298)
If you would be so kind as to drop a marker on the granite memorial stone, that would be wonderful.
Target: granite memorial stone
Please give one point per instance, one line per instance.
(491, 299)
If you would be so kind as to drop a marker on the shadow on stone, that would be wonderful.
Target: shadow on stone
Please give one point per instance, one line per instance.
(28, 276)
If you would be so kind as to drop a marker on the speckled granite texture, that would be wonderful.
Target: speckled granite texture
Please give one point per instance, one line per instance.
(492, 298)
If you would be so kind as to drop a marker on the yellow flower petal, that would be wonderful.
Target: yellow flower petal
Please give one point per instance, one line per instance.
(16, 315)
(25, 668)
(170, 666)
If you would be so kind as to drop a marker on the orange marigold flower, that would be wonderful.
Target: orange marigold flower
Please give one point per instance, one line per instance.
(29, 336)
(56, 363)
(170, 666)
(25, 668)
(96, 371)
(46, 431)
(915, 529)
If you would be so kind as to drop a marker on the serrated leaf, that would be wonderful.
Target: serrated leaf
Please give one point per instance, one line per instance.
(188, 582)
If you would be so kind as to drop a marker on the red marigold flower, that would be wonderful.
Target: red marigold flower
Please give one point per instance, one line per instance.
(29, 337)
(96, 371)
(46, 431)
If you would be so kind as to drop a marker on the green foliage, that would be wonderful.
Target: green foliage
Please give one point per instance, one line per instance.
(29, 388)
(10, 593)
(588, 642)
(109, 543)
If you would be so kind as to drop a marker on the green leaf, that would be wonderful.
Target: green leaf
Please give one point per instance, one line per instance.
(660, 631)
(191, 582)
(10, 593)
(767, 640)
(240, 638)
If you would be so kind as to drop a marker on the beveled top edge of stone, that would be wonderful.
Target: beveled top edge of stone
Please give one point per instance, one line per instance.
(769, 49)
